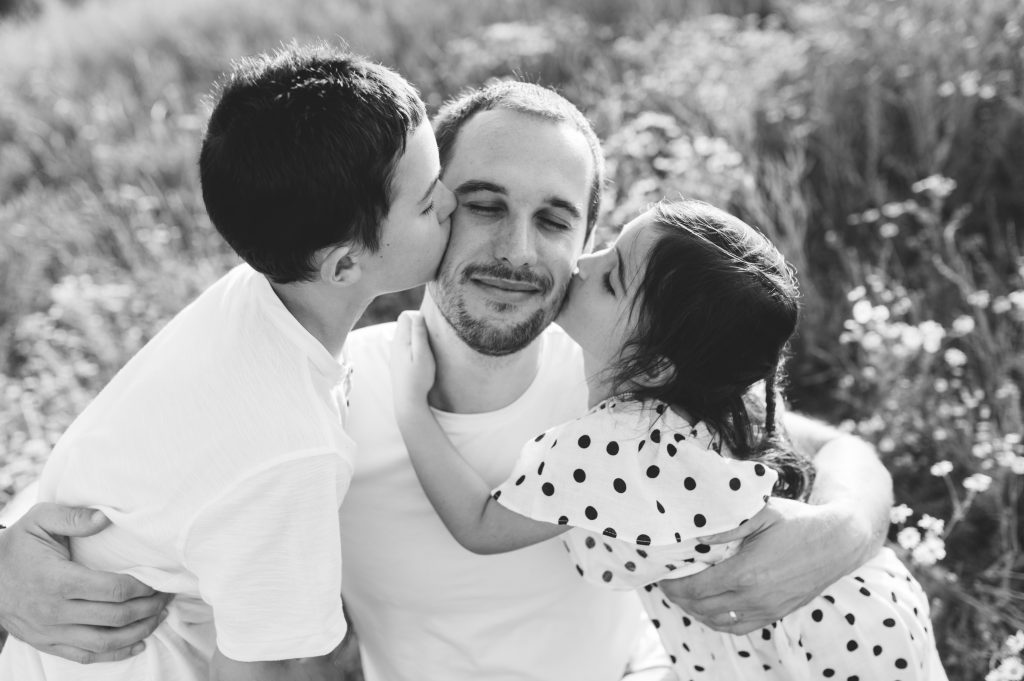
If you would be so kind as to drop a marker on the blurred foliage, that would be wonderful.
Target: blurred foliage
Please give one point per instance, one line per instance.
(880, 143)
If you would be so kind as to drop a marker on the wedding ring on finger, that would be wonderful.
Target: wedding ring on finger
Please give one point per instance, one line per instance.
(733, 617)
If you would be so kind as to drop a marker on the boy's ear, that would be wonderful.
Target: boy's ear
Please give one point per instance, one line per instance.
(340, 265)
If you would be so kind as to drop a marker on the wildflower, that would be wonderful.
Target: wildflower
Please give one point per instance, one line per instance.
(856, 294)
(909, 538)
(931, 525)
(979, 482)
(941, 469)
(981, 450)
(963, 324)
(870, 215)
(889, 230)
(1015, 643)
(871, 341)
(932, 334)
(937, 185)
(979, 299)
(1010, 669)
(862, 310)
(1017, 299)
(940, 435)
(947, 89)
(955, 358)
(899, 514)
(1001, 305)
(987, 91)
(886, 445)
(941, 385)
(931, 550)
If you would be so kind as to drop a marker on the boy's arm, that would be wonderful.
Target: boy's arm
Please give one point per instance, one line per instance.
(843, 526)
(323, 668)
(459, 495)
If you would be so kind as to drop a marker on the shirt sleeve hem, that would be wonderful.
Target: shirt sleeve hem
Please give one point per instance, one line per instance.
(313, 644)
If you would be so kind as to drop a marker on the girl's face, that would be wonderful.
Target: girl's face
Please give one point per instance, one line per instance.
(597, 313)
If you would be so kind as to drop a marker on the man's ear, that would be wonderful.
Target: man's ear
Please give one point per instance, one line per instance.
(340, 265)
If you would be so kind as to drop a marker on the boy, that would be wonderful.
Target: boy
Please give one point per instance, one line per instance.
(219, 452)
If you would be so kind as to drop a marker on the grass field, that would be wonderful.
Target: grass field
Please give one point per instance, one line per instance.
(880, 143)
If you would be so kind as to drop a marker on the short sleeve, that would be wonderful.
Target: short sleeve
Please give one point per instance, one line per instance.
(635, 472)
(267, 557)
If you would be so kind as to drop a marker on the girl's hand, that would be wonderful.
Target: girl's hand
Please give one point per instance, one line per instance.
(412, 363)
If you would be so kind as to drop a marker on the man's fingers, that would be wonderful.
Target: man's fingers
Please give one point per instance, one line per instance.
(114, 614)
(107, 640)
(67, 521)
(108, 587)
(88, 657)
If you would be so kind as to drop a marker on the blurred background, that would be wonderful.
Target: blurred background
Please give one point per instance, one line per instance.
(880, 143)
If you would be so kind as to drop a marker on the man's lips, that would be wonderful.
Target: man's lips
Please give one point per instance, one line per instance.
(507, 284)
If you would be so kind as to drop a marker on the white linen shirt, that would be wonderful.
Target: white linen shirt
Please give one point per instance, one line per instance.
(218, 452)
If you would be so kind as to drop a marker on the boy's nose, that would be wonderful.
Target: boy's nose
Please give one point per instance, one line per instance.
(445, 200)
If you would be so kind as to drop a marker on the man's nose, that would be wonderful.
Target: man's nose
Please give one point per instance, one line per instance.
(516, 244)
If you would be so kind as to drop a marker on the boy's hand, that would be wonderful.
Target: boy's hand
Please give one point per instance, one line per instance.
(412, 362)
(62, 608)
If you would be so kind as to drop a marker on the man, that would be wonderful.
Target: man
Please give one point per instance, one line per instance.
(527, 171)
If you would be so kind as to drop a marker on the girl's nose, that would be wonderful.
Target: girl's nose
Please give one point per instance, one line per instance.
(583, 266)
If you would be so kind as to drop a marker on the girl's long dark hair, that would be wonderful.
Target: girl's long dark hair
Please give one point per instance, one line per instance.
(714, 311)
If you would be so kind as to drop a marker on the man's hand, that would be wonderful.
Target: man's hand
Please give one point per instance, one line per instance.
(791, 552)
(62, 608)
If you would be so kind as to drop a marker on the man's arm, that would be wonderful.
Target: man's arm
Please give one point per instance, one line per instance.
(62, 608)
(844, 525)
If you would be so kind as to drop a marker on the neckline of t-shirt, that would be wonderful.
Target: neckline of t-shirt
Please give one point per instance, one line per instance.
(278, 315)
(453, 420)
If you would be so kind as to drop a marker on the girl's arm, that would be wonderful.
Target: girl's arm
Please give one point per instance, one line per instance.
(459, 495)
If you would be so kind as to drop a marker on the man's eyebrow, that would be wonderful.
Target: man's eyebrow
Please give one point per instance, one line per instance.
(567, 206)
(470, 186)
(430, 190)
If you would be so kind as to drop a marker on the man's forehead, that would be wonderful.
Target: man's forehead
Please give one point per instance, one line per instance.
(494, 146)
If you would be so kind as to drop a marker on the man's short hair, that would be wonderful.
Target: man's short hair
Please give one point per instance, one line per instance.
(530, 99)
(300, 154)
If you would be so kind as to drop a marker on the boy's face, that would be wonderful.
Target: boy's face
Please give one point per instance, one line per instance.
(414, 234)
(523, 188)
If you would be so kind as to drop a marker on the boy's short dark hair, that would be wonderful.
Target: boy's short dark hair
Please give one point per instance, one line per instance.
(300, 154)
(526, 98)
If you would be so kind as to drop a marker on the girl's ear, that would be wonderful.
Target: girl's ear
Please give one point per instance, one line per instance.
(340, 265)
(658, 375)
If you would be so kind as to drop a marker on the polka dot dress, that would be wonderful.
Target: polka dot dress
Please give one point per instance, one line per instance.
(640, 486)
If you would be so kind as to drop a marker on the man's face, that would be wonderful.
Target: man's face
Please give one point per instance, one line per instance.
(523, 188)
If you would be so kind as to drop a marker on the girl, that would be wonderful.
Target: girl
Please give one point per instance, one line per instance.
(686, 312)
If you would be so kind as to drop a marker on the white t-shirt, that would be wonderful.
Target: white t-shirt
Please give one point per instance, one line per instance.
(424, 608)
(218, 453)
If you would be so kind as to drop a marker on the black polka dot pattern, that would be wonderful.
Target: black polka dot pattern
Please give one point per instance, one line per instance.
(640, 497)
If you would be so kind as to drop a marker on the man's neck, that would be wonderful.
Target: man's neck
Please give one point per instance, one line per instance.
(468, 382)
(325, 315)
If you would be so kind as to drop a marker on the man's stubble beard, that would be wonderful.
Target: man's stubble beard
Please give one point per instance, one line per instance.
(482, 337)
